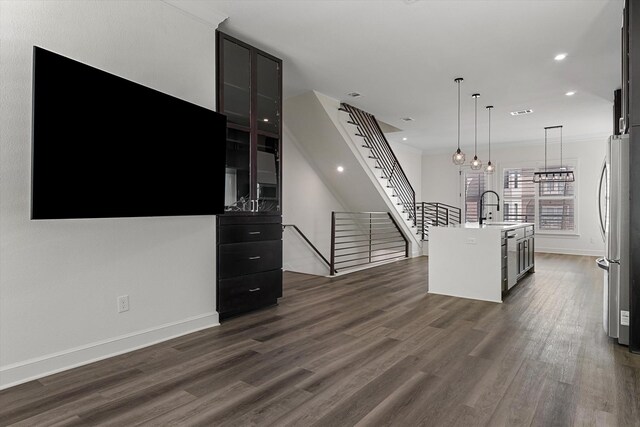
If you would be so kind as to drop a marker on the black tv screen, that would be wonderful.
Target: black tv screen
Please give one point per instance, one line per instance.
(105, 147)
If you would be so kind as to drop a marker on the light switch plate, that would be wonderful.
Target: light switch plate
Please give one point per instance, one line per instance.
(624, 318)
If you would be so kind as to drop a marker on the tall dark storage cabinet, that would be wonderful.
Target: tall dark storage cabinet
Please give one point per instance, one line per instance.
(249, 234)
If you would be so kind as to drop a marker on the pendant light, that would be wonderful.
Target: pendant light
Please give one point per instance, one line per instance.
(476, 164)
(458, 157)
(559, 175)
(490, 167)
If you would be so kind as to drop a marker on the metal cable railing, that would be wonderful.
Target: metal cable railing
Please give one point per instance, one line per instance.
(360, 238)
(435, 214)
(380, 150)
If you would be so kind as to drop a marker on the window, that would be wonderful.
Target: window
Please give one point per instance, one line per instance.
(519, 194)
(474, 185)
(550, 205)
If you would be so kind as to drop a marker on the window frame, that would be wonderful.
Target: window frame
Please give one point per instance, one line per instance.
(539, 166)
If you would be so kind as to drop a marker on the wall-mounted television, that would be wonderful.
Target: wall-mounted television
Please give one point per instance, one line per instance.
(106, 147)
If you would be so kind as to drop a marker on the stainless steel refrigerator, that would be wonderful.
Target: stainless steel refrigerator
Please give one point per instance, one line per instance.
(614, 223)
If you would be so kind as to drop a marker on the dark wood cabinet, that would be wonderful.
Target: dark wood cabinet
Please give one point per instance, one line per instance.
(249, 234)
(249, 93)
(249, 252)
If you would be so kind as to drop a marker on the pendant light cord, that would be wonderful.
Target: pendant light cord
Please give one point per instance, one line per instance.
(458, 114)
(475, 143)
(561, 165)
(489, 108)
(545, 149)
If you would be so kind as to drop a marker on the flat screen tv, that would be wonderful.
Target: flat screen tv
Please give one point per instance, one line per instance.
(106, 147)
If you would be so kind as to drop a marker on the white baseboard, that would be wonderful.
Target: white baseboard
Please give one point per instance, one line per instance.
(563, 251)
(32, 369)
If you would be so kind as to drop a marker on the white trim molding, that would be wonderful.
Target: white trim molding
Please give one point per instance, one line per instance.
(569, 251)
(28, 370)
(202, 11)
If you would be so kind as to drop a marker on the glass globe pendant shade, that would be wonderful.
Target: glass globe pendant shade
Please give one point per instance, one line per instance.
(476, 164)
(490, 168)
(458, 157)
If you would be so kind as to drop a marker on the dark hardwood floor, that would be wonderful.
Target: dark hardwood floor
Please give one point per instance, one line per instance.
(369, 348)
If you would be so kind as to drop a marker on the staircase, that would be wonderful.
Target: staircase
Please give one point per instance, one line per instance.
(419, 215)
(378, 149)
(328, 134)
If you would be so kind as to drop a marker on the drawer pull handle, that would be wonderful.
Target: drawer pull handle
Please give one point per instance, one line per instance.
(254, 232)
(254, 257)
(254, 290)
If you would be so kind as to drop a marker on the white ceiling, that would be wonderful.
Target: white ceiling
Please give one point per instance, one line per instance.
(403, 56)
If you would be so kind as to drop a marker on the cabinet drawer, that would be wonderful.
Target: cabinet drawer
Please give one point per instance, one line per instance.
(236, 259)
(245, 219)
(251, 291)
(528, 231)
(249, 233)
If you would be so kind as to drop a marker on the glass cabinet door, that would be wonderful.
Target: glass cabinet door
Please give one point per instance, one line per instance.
(236, 105)
(249, 94)
(237, 192)
(268, 176)
(268, 97)
(268, 124)
(237, 83)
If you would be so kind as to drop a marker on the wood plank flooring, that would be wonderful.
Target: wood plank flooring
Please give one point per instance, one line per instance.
(371, 348)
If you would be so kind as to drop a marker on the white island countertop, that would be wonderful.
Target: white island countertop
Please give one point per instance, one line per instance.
(465, 260)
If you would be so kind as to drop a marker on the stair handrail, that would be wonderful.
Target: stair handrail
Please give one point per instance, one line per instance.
(368, 128)
(295, 227)
(436, 214)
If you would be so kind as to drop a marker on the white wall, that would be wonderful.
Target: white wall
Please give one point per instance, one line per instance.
(307, 203)
(440, 183)
(59, 280)
(410, 159)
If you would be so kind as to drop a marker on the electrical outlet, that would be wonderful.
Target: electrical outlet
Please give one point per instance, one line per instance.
(624, 318)
(123, 303)
(471, 240)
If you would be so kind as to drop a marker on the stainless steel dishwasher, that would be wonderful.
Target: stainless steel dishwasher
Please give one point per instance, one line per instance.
(514, 240)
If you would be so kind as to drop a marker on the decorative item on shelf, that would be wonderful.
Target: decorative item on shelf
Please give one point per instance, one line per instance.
(458, 157)
(490, 168)
(476, 164)
(561, 174)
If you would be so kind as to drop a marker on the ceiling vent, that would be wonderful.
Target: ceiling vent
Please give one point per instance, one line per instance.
(407, 119)
(521, 112)
(354, 94)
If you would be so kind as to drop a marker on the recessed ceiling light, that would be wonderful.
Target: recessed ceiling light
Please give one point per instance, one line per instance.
(570, 93)
(560, 56)
(340, 169)
(354, 94)
(521, 112)
(407, 119)
(265, 119)
(404, 139)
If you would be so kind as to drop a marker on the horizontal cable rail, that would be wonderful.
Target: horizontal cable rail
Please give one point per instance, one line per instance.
(379, 149)
(295, 227)
(370, 237)
(435, 214)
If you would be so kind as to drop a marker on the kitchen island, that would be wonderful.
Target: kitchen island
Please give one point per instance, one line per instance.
(480, 261)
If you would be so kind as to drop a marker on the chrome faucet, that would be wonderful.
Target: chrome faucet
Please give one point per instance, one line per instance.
(482, 205)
